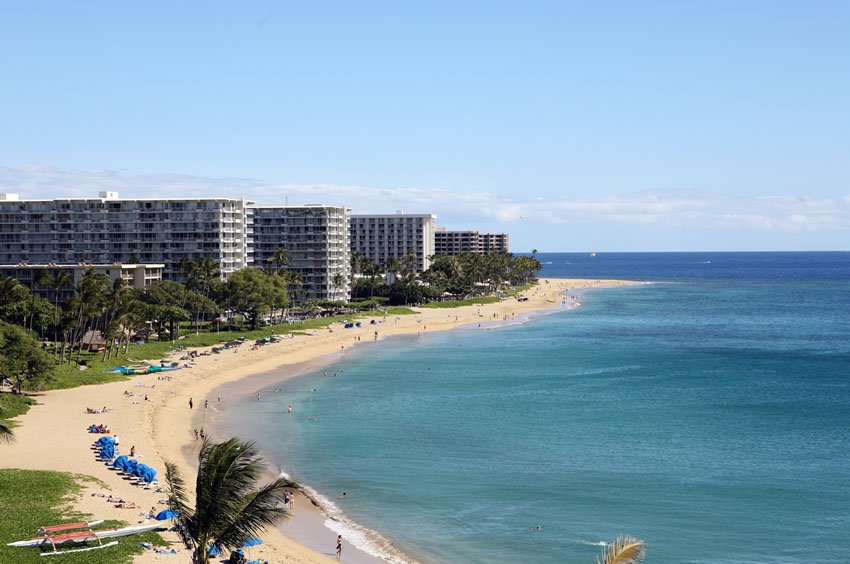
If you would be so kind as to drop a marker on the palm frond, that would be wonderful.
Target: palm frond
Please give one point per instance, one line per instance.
(177, 500)
(625, 550)
(6, 434)
(262, 509)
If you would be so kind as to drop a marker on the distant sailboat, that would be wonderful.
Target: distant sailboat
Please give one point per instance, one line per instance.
(592, 254)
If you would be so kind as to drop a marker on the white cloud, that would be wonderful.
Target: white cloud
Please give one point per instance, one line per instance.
(782, 212)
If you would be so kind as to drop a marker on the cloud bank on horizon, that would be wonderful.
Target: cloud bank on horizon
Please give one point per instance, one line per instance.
(662, 221)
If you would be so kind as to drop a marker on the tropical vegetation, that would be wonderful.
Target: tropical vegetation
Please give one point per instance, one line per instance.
(228, 505)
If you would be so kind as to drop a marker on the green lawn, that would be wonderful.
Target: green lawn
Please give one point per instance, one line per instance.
(460, 303)
(30, 499)
(12, 406)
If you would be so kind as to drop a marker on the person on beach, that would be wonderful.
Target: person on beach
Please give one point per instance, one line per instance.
(133, 450)
(258, 397)
(191, 403)
(338, 547)
(206, 403)
(196, 434)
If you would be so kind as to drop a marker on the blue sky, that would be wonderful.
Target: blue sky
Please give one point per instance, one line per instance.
(612, 126)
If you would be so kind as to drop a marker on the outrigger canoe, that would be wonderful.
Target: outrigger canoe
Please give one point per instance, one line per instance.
(53, 539)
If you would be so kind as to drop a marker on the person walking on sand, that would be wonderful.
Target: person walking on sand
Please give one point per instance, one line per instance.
(338, 547)
(191, 403)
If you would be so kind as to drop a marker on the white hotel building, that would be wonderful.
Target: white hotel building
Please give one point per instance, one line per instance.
(380, 238)
(108, 230)
(317, 239)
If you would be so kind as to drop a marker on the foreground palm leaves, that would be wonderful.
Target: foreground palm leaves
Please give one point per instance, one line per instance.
(228, 506)
(624, 550)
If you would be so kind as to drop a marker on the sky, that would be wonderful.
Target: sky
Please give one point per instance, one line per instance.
(605, 126)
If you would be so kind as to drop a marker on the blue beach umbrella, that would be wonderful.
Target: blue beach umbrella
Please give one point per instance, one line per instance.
(213, 550)
(252, 541)
(166, 514)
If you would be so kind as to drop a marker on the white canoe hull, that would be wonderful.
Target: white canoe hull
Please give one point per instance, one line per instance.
(93, 536)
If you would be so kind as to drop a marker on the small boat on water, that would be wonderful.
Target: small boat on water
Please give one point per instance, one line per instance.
(592, 254)
(53, 537)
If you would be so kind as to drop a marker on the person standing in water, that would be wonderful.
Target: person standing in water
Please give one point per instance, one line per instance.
(290, 409)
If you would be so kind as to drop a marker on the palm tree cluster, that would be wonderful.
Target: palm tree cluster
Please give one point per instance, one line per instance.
(99, 306)
(466, 274)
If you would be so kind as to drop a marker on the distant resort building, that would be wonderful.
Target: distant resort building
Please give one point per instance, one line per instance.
(108, 230)
(134, 275)
(380, 238)
(316, 237)
(457, 242)
(145, 240)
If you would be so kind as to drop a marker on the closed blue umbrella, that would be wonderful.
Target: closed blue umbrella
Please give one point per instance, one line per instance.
(213, 550)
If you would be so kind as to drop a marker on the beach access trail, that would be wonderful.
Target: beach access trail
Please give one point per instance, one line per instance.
(153, 414)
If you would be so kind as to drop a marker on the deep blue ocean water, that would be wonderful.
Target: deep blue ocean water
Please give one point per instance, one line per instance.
(707, 413)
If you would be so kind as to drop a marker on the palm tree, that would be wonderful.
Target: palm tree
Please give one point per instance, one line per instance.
(624, 550)
(228, 507)
(55, 280)
(11, 291)
(280, 257)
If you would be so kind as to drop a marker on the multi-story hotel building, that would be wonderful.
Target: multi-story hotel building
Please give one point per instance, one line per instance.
(457, 242)
(134, 275)
(380, 238)
(494, 243)
(317, 240)
(109, 230)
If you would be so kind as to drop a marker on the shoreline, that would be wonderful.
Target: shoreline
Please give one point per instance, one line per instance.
(151, 412)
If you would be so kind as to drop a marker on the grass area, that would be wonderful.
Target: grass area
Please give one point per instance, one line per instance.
(460, 303)
(398, 310)
(12, 406)
(30, 499)
(70, 375)
(518, 290)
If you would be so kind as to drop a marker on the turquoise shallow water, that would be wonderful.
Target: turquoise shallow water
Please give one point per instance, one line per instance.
(708, 414)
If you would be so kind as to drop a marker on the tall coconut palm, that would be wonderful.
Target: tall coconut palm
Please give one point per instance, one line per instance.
(228, 506)
(55, 280)
(624, 550)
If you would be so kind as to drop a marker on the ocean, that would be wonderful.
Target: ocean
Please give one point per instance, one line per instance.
(707, 413)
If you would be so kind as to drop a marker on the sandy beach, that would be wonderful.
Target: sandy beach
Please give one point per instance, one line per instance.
(152, 414)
